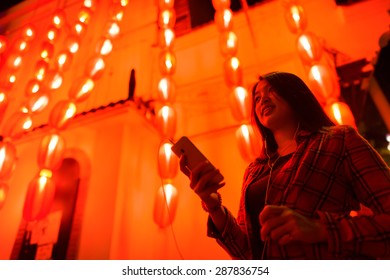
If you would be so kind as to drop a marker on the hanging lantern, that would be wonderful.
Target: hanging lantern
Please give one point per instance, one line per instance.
(240, 104)
(53, 80)
(3, 103)
(41, 67)
(72, 44)
(7, 159)
(81, 89)
(124, 3)
(116, 12)
(309, 48)
(324, 82)
(47, 51)
(61, 113)
(40, 196)
(37, 102)
(233, 72)
(51, 151)
(167, 19)
(296, 18)
(59, 19)
(221, 4)
(166, 89)
(63, 61)
(167, 63)
(14, 61)
(95, 67)
(166, 4)
(3, 44)
(113, 29)
(32, 87)
(228, 42)
(340, 113)
(249, 145)
(104, 46)
(29, 33)
(3, 194)
(166, 121)
(17, 124)
(21, 45)
(166, 38)
(167, 161)
(79, 28)
(165, 205)
(53, 33)
(89, 4)
(224, 20)
(8, 80)
(85, 15)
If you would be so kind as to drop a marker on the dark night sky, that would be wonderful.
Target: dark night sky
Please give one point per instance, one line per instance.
(6, 4)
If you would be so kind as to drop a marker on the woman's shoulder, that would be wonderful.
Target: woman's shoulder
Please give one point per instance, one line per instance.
(337, 130)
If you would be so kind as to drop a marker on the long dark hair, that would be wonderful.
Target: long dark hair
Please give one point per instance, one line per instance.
(302, 101)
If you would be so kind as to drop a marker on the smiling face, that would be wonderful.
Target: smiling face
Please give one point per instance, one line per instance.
(272, 111)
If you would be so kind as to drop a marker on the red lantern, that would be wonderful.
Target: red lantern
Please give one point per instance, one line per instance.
(81, 89)
(309, 48)
(166, 38)
(167, 63)
(14, 61)
(221, 4)
(29, 32)
(79, 29)
(340, 113)
(3, 194)
(104, 46)
(228, 43)
(7, 159)
(167, 161)
(3, 103)
(52, 80)
(59, 19)
(41, 68)
(324, 82)
(17, 124)
(53, 33)
(166, 121)
(38, 102)
(61, 113)
(240, 104)
(63, 61)
(95, 67)
(167, 18)
(72, 43)
(165, 205)
(21, 45)
(113, 29)
(39, 198)
(233, 72)
(224, 20)
(51, 151)
(296, 18)
(166, 4)
(249, 145)
(47, 51)
(85, 15)
(3, 44)
(166, 89)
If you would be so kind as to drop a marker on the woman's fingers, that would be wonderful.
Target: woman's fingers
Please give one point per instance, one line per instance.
(183, 165)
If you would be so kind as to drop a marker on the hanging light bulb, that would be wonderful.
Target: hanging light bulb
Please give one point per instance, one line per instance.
(113, 29)
(41, 68)
(63, 61)
(166, 121)
(79, 28)
(309, 49)
(85, 15)
(59, 19)
(166, 38)
(53, 33)
(21, 45)
(165, 205)
(240, 104)
(81, 89)
(295, 17)
(104, 46)
(167, 19)
(53, 80)
(324, 82)
(72, 44)
(167, 161)
(249, 145)
(32, 87)
(15, 61)
(47, 51)
(51, 151)
(37, 102)
(167, 63)
(233, 72)
(61, 114)
(29, 33)
(224, 20)
(95, 67)
(3, 103)
(340, 113)
(228, 43)
(167, 89)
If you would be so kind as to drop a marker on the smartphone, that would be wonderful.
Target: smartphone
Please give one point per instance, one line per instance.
(193, 154)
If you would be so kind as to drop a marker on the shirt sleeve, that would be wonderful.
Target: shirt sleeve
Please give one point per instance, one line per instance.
(370, 182)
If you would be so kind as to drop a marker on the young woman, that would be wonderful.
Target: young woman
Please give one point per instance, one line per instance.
(298, 195)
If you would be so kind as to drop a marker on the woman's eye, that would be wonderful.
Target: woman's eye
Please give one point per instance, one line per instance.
(257, 99)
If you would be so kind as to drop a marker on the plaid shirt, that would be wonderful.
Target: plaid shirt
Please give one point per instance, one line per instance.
(331, 173)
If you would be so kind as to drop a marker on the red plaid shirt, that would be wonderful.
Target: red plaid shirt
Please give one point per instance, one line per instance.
(331, 173)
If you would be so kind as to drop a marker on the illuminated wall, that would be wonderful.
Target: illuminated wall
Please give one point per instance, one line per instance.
(117, 147)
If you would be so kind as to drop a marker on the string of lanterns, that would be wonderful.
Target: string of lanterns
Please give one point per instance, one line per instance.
(322, 76)
(239, 100)
(167, 194)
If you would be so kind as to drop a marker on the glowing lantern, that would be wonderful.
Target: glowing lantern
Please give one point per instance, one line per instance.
(167, 19)
(40, 196)
(53, 80)
(28, 33)
(233, 72)
(72, 44)
(8, 80)
(165, 205)
(52, 33)
(324, 82)
(79, 28)
(21, 45)
(249, 145)
(166, 121)
(47, 51)
(296, 18)
(17, 124)
(166, 4)
(240, 104)
(7, 159)
(63, 61)
(85, 15)
(167, 63)
(221, 4)
(340, 113)
(61, 113)
(51, 151)
(32, 87)
(15, 61)
(38, 102)
(3, 103)
(309, 49)
(167, 161)
(167, 38)
(104, 46)
(59, 18)
(116, 12)
(167, 89)
(113, 29)
(3, 194)
(40, 70)
(124, 3)
(224, 20)
(3, 44)
(88, 3)
(81, 89)
(228, 43)
(95, 67)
